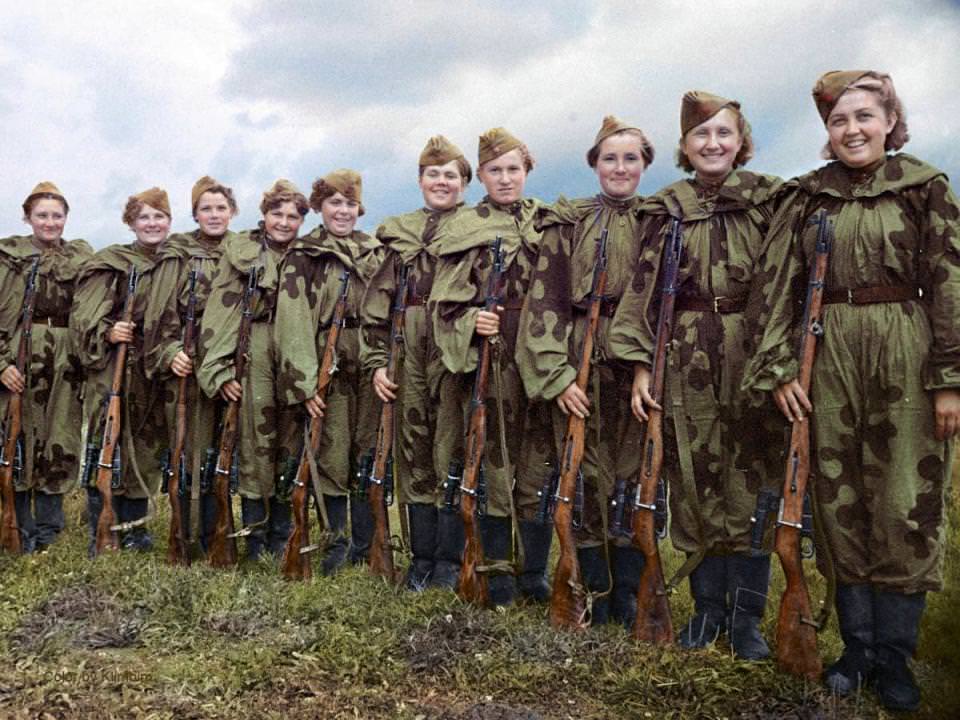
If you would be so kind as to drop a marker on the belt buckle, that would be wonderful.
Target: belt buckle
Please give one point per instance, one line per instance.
(850, 296)
(716, 303)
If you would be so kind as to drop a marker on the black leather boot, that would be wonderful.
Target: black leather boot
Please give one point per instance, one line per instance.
(855, 616)
(627, 567)
(25, 524)
(336, 556)
(496, 535)
(536, 538)
(361, 529)
(596, 579)
(708, 585)
(747, 581)
(253, 515)
(423, 544)
(896, 628)
(279, 526)
(130, 510)
(449, 552)
(49, 518)
(94, 506)
(208, 519)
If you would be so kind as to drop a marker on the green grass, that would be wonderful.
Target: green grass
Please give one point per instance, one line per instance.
(126, 636)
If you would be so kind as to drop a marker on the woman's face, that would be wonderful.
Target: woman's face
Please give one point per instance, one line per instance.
(713, 145)
(151, 226)
(620, 165)
(47, 219)
(504, 177)
(340, 214)
(213, 214)
(858, 127)
(283, 222)
(441, 185)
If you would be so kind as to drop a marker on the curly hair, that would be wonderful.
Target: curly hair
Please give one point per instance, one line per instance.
(274, 198)
(882, 86)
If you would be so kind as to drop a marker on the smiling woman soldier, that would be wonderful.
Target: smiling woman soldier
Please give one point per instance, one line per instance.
(52, 382)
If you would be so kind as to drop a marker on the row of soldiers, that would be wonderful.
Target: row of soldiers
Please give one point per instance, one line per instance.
(885, 386)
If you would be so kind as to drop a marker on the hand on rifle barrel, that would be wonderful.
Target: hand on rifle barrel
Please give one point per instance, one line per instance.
(383, 387)
(13, 379)
(181, 365)
(231, 391)
(946, 413)
(121, 332)
(574, 400)
(315, 406)
(488, 323)
(640, 397)
(792, 400)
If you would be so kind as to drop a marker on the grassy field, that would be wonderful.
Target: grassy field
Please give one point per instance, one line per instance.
(126, 636)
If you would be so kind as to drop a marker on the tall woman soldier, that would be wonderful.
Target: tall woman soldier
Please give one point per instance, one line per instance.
(53, 381)
(314, 267)
(714, 477)
(268, 430)
(460, 323)
(552, 327)
(95, 320)
(436, 533)
(886, 383)
(213, 206)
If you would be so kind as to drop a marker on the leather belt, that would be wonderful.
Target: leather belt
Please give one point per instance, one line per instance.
(348, 323)
(722, 305)
(872, 295)
(57, 321)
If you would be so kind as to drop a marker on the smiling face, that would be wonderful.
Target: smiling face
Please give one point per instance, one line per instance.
(441, 185)
(47, 218)
(213, 214)
(282, 223)
(858, 127)
(620, 164)
(340, 214)
(151, 226)
(504, 177)
(713, 145)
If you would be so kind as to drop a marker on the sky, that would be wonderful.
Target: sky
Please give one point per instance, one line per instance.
(107, 98)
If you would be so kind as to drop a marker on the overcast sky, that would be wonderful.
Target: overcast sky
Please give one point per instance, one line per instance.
(109, 97)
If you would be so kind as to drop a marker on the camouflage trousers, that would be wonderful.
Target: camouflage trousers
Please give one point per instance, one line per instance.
(611, 447)
(881, 475)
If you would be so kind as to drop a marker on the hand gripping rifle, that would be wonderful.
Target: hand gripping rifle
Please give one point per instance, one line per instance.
(381, 552)
(109, 450)
(223, 543)
(567, 602)
(295, 564)
(472, 585)
(11, 461)
(653, 623)
(177, 476)
(796, 628)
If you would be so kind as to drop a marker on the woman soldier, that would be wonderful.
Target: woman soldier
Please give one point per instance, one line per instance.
(268, 431)
(886, 383)
(53, 382)
(315, 265)
(213, 206)
(436, 533)
(714, 478)
(460, 324)
(101, 294)
(552, 328)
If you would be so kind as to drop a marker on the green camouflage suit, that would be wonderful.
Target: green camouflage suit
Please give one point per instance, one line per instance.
(308, 293)
(552, 328)
(407, 239)
(713, 475)
(459, 288)
(269, 432)
(879, 472)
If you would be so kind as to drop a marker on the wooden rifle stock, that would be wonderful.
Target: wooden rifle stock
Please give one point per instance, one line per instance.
(381, 551)
(177, 551)
(295, 564)
(796, 627)
(223, 542)
(472, 585)
(654, 624)
(106, 531)
(9, 530)
(567, 601)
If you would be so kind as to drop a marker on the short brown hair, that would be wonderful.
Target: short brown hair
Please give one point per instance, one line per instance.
(220, 190)
(882, 86)
(742, 158)
(32, 200)
(646, 148)
(274, 198)
(466, 172)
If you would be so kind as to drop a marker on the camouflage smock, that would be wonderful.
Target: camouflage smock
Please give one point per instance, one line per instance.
(101, 290)
(308, 293)
(462, 248)
(269, 432)
(714, 470)
(552, 328)
(53, 403)
(407, 239)
(879, 476)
